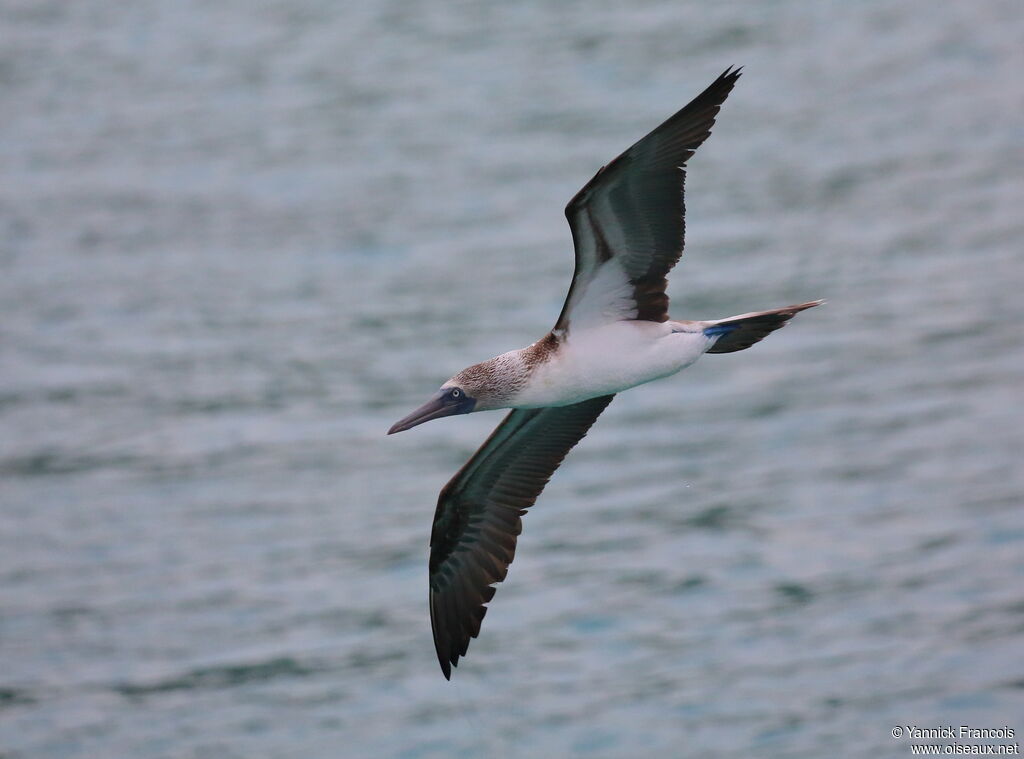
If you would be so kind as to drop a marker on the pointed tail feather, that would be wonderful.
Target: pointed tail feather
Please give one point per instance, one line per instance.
(740, 332)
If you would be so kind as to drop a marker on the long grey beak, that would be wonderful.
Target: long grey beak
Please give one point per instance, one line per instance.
(435, 408)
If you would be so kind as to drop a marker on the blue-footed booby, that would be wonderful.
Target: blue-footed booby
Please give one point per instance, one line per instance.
(613, 333)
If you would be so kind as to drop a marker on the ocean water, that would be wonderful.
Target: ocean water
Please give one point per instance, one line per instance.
(239, 240)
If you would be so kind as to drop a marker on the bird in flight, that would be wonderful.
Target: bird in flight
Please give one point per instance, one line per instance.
(613, 333)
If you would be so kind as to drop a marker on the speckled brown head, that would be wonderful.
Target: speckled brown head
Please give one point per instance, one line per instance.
(488, 385)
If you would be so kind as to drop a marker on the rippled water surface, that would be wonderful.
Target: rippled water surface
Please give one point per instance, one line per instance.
(237, 241)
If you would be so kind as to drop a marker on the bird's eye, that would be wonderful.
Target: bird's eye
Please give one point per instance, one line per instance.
(456, 393)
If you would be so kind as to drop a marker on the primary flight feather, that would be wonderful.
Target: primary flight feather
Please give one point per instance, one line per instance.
(613, 333)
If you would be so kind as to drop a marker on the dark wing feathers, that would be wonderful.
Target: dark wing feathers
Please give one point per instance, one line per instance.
(479, 515)
(633, 208)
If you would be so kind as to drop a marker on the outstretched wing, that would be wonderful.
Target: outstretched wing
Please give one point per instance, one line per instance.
(627, 222)
(479, 512)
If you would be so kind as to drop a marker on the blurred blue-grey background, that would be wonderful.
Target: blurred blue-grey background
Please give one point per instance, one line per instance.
(238, 240)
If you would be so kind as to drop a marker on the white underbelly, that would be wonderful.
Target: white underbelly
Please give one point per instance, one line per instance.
(609, 359)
